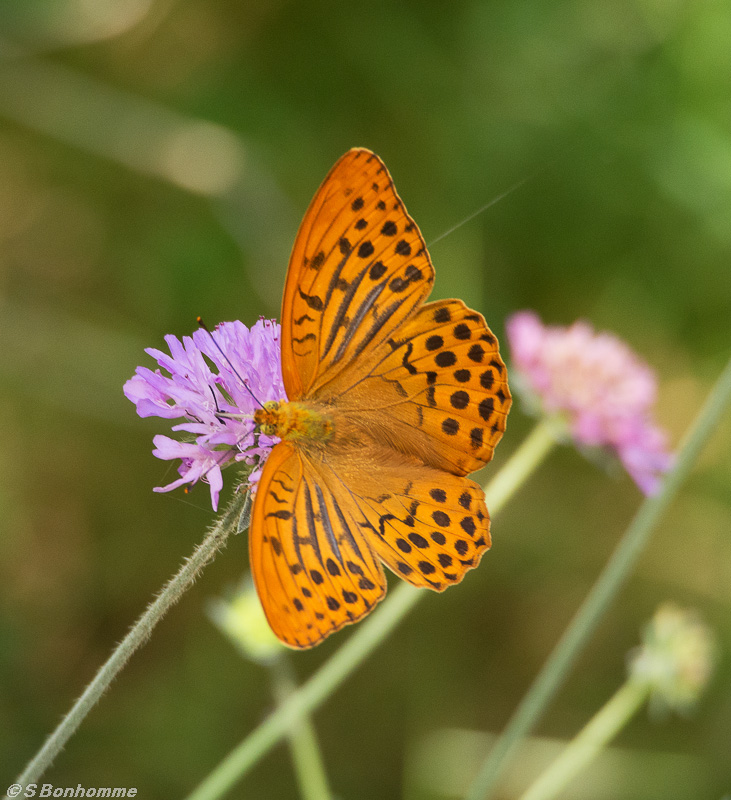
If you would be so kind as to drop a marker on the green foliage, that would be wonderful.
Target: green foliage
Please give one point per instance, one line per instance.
(122, 217)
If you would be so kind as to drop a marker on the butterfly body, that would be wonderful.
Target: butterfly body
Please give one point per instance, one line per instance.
(295, 421)
(392, 402)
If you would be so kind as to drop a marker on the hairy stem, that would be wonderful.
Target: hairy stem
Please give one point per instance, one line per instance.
(173, 590)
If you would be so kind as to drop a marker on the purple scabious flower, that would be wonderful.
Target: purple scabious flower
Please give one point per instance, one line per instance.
(596, 386)
(207, 378)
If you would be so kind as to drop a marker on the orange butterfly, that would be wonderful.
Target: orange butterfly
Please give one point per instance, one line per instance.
(392, 401)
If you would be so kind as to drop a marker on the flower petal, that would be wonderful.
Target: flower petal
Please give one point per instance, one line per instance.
(595, 384)
(214, 382)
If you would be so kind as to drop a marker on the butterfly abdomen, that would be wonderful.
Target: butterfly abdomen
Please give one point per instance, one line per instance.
(295, 421)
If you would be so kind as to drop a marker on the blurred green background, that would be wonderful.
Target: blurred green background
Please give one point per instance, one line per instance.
(155, 159)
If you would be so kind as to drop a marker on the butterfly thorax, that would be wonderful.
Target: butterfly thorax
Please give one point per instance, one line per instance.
(294, 421)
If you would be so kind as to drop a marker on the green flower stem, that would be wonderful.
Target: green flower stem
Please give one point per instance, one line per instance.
(306, 756)
(600, 730)
(364, 639)
(522, 463)
(169, 595)
(558, 664)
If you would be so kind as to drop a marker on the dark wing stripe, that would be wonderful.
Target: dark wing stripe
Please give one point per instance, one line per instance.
(352, 289)
(342, 310)
(366, 304)
(366, 211)
(327, 525)
(346, 528)
(388, 519)
(343, 521)
(364, 308)
(334, 281)
(379, 322)
(295, 537)
(311, 523)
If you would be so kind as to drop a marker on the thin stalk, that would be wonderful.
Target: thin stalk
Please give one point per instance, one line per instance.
(522, 463)
(590, 741)
(307, 758)
(362, 642)
(310, 695)
(628, 550)
(169, 595)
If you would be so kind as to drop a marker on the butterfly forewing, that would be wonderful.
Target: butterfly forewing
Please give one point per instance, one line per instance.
(313, 568)
(359, 268)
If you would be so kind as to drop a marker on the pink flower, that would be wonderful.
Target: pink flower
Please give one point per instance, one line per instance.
(212, 382)
(596, 386)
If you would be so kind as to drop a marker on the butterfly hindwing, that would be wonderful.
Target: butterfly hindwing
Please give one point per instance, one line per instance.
(438, 389)
(426, 526)
(313, 568)
(359, 268)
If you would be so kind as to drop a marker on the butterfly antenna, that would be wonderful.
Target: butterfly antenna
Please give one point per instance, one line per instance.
(205, 327)
(491, 203)
(215, 400)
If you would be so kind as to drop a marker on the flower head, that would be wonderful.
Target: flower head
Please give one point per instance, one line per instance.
(594, 384)
(211, 382)
(676, 658)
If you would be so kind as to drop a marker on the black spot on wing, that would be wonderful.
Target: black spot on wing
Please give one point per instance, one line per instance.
(442, 315)
(377, 271)
(313, 301)
(445, 358)
(476, 435)
(412, 275)
(366, 249)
